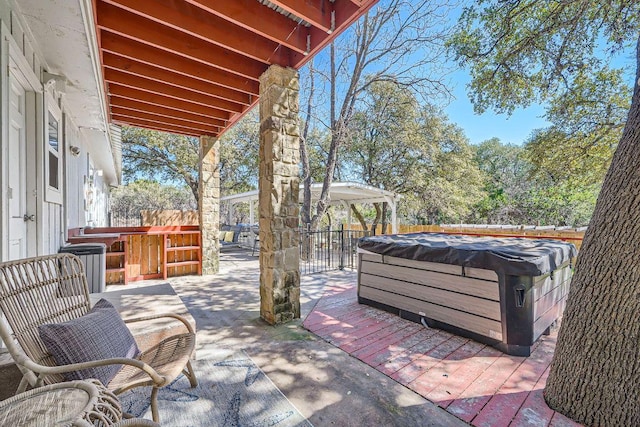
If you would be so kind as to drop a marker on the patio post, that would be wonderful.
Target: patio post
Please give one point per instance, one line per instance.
(278, 195)
(209, 203)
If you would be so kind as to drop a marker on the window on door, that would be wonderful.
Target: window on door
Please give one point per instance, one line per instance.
(52, 154)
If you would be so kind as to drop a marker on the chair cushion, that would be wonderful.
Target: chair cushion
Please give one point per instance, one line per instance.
(99, 334)
(221, 235)
(228, 236)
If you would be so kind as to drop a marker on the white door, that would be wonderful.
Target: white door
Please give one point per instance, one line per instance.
(16, 182)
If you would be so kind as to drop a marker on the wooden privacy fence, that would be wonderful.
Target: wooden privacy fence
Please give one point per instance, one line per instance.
(567, 234)
(169, 217)
(141, 253)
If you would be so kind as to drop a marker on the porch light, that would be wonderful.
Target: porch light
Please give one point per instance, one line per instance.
(75, 151)
(50, 80)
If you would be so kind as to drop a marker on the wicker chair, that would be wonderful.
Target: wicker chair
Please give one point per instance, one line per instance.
(53, 289)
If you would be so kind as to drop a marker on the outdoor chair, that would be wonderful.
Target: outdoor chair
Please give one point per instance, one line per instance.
(52, 291)
(256, 241)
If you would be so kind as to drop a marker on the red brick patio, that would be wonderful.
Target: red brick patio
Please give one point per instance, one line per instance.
(472, 381)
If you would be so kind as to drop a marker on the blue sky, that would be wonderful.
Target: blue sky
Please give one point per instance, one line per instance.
(514, 129)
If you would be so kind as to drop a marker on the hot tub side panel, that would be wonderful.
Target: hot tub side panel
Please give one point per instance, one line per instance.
(466, 299)
(530, 305)
(509, 312)
(550, 294)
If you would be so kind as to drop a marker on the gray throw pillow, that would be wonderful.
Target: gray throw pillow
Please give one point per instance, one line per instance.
(99, 334)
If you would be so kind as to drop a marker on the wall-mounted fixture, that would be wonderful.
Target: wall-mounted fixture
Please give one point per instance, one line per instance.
(49, 80)
(75, 151)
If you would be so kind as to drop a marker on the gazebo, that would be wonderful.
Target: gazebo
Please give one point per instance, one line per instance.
(340, 193)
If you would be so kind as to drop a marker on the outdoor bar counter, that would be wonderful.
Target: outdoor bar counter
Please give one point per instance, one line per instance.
(505, 292)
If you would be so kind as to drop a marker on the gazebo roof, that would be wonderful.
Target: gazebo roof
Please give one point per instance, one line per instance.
(339, 192)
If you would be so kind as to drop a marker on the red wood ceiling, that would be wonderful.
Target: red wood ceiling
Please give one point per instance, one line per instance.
(192, 66)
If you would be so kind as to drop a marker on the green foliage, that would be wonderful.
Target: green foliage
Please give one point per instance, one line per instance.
(318, 142)
(387, 142)
(128, 200)
(562, 204)
(557, 53)
(398, 145)
(456, 184)
(585, 131)
(524, 52)
(160, 156)
(239, 155)
(520, 192)
(506, 183)
(173, 159)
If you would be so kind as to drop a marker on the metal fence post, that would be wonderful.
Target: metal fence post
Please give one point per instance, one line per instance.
(309, 248)
(341, 266)
(327, 244)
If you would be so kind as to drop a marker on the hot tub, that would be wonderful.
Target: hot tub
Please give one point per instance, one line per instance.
(505, 292)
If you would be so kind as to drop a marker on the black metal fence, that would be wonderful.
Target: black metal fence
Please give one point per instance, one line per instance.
(118, 220)
(326, 250)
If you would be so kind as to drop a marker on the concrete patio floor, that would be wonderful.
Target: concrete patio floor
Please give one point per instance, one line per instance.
(355, 371)
(327, 385)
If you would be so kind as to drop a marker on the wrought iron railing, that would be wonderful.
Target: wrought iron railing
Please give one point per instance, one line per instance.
(325, 250)
(116, 219)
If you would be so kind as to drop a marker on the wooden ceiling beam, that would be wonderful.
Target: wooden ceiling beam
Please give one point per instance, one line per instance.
(315, 12)
(259, 19)
(165, 101)
(113, 61)
(123, 112)
(346, 13)
(208, 27)
(162, 127)
(237, 88)
(113, 75)
(129, 25)
(172, 61)
(236, 117)
(159, 110)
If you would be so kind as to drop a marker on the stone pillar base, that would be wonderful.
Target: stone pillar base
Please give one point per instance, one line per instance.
(278, 195)
(209, 204)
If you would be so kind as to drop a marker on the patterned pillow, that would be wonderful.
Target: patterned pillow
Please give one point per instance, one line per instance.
(99, 334)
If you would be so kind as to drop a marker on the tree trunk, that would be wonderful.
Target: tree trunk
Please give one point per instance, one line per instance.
(385, 207)
(595, 370)
(193, 185)
(336, 135)
(376, 220)
(340, 119)
(359, 217)
(305, 211)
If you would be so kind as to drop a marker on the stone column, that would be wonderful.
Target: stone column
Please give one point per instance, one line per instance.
(278, 195)
(209, 206)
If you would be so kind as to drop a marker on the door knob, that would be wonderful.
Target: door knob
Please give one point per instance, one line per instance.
(29, 217)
